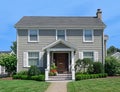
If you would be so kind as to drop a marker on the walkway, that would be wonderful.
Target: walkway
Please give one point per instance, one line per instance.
(60, 86)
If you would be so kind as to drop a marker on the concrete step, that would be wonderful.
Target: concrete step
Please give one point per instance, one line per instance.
(61, 77)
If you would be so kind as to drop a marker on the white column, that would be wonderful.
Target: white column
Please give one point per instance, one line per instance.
(72, 64)
(48, 65)
(48, 60)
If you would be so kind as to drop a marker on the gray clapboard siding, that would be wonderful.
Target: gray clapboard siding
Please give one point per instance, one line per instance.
(47, 36)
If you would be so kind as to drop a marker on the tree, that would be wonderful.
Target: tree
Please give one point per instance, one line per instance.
(112, 50)
(14, 47)
(9, 61)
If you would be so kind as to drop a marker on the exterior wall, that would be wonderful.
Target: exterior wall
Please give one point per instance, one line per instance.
(24, 45)
(76, 38)
(46, 37)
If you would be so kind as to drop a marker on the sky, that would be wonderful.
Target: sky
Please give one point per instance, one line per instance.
(11, 11)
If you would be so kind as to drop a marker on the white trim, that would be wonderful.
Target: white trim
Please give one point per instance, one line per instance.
(29, 35)
(80, 55)
(80, 27)
(84, 35)
(61, 49)
(41, 58)
(96, 56)
(17, 36)
(65, 35)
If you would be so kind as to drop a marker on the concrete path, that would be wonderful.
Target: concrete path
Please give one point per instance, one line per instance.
(57, 87)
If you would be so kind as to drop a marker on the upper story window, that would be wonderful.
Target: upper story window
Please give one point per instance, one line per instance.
(60, 34)
(33, 35)
(88, 35)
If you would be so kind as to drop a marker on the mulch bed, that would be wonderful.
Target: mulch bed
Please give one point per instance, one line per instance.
(7, 78)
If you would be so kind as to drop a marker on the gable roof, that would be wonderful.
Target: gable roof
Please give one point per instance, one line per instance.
(116, 55)
(66, 43)
(56, 21)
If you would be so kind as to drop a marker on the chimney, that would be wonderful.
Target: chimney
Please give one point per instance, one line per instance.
(99, 14)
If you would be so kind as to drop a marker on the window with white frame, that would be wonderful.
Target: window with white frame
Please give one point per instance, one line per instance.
(88, 35)
(33, 35)
(89, 55)
(60, 34)
(33, 58)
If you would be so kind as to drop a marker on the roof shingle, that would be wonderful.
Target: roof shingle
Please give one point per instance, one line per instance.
(51, 21)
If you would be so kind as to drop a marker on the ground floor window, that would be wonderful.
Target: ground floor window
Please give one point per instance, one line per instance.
(33, 58)
(89, 55)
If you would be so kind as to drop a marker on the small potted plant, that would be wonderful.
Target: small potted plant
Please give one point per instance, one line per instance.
(53, 70)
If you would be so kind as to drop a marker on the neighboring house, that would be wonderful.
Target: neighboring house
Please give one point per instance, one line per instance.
(2, 69)
(116, 55)
(42, 40)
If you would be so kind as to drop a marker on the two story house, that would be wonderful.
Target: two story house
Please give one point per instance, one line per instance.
(42, 40)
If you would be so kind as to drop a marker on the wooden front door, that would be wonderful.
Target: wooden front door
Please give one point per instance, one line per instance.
(61, 61)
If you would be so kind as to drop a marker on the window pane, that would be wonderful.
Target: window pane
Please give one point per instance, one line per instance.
(33, 62)
(33, 54)
(88, 35)
(33, 35)
(33, 38)
(61, 34)
(89, 55)
(33, 32)
(33, 58)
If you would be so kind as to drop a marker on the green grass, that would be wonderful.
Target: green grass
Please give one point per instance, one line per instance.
(95, 85)
(22, 86)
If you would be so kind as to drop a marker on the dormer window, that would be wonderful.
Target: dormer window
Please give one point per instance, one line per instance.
(33, 35)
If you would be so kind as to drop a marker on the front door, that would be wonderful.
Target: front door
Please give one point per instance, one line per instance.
(61, 61)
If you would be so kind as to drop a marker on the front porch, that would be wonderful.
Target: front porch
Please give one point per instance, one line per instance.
(62, 54)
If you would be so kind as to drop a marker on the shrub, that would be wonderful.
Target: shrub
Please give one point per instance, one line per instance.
(111, 66)
(97, 67)
(90, 69)
(16, 76)
(33, 70)
(24, 77)
(38, 78)
(89, 76)
(23, 73)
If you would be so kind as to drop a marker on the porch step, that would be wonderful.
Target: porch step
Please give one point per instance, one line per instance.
(61, 77)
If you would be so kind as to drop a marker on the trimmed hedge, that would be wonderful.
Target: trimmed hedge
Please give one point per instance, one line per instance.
(25, 77)
(90, 76)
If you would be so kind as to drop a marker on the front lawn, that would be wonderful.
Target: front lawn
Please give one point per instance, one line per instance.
(22, 86)
(95, 85)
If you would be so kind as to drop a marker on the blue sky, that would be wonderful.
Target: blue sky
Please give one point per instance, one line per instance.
(12, 10)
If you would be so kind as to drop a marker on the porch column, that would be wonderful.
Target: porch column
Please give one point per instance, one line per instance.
(72, 64)
(48, 60)
(48, 66)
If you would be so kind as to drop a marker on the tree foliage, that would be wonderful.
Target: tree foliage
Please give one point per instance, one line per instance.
(81, 65)
(14, 47)
(9, 61)
(112, 50)
(111, 66)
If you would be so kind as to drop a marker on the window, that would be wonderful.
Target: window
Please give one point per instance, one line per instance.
(88, 36)
(89, 55)
(61, 34)
(33, 58)
(33, 35)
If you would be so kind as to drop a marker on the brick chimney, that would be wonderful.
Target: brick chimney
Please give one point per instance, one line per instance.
(99, 14)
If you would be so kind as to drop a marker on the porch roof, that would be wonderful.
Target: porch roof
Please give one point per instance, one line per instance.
(57, 42)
